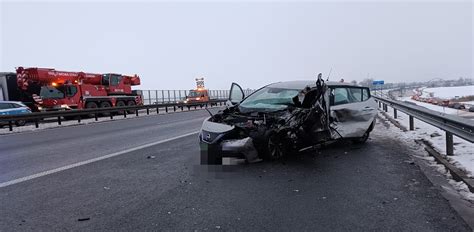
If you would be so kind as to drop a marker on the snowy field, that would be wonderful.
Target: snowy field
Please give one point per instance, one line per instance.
(442, 109)
(463, 157)
(448, 92)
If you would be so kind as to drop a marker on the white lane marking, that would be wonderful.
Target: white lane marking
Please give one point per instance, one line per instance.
(37, 175)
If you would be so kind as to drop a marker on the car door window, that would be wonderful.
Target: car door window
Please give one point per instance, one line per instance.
(4, 106)
(341, 96)
(355, 94)
(71, 91)
(365, 94)
(236, 93)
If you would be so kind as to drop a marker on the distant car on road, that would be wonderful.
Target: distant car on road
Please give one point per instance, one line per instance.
(471, 109)
(14, 108)
(459, 106)
(287, 117)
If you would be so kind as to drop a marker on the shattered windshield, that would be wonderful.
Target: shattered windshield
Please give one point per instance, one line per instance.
(52, 92)
(269, 99)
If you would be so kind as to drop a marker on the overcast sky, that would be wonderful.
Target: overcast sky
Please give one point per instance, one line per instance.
(252, 43)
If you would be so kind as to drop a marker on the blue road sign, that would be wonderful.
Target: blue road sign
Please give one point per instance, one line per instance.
(379, 82)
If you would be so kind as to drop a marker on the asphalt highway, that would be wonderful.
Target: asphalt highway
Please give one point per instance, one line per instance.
(153, 181)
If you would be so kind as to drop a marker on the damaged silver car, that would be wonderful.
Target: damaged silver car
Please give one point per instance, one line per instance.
(286, 118)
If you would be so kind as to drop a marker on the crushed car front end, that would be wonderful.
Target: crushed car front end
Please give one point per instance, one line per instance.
(267, 128)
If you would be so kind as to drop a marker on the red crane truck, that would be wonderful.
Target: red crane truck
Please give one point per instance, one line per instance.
(61, 90)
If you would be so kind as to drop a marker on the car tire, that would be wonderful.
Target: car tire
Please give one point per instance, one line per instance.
(20, 122)
(362, 139)
(273, 149)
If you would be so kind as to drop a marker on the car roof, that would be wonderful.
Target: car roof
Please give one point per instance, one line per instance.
(301, 84)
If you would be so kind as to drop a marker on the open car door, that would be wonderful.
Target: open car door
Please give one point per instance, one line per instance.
(352, 110)
(236, 94)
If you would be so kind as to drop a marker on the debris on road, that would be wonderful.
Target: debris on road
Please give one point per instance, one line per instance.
(435, 134)
(150, 157)
(84, 219)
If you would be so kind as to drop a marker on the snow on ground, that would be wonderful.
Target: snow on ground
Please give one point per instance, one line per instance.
(430, 106)
(463, 150)
(463, 157)
(449, 92)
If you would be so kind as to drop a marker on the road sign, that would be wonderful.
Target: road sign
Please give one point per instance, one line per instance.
(379, 82)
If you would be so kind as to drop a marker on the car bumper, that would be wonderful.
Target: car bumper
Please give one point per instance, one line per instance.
(212, 153)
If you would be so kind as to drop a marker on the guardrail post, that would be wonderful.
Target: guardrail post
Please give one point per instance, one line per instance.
(394, 113)
(149, 97)
(10, 125)
(166, 109)
(385, 107)
(96, 116)
(37, 123)
(157, 110)
(124, 113)
(147, 111)
(412, 124)
(79, 119)
(449, 144)
(380, 104)
(111, 115)
(163, 96)
(174, 108)
(136, 112)
(59, 120)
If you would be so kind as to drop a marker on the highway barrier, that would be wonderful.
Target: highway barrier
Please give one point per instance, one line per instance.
(171, 96)
(452, 125)
(111, 112)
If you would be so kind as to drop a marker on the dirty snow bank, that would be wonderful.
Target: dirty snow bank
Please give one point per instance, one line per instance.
(463, 158)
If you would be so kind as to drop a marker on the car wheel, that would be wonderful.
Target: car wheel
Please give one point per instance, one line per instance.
(362, 139)
(274, 149)
(20, 122)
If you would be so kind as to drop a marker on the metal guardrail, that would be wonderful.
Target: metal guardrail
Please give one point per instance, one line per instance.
(452, 125)
(171, 96)
(37, 117)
